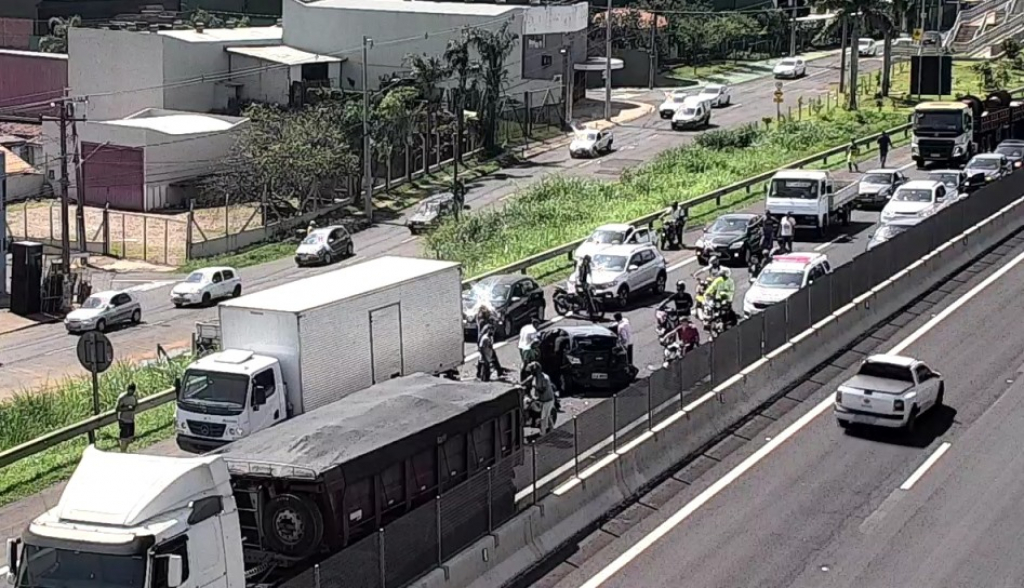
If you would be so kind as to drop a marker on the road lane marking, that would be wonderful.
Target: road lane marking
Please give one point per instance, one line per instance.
(721, 484)
(147, 287)
(928, 463)
(686, 261)
(413, 238)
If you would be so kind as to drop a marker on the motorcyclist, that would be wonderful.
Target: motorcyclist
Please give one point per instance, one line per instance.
(686, 334)
(678, 216)
(583, 280)
(712, 268)
(681, 300)
(722, 290)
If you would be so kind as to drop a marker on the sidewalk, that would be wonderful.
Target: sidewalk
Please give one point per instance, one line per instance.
(10, 322)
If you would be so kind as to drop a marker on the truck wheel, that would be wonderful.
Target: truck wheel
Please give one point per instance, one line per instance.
(292, 525)
(911, 425)
(846, 216)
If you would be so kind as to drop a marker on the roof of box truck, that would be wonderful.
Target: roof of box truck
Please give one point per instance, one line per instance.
(358, 426)
(347, 282)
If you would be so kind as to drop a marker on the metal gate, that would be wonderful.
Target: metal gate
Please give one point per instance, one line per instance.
(386, 343)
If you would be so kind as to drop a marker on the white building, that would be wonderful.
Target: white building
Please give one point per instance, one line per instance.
(148, 160)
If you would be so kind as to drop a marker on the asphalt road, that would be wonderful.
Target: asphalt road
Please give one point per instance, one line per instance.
(870, 509)
(31, 357)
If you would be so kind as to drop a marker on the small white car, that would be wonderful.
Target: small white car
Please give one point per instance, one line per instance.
(102, 310)
(867, 47)
(791, 67)
(994, 166)
(613, 234)
(206, 285)
(877, 186)
(590, 143)
(784, 275)
(914, 201)
(717, 95)
(619, 272)
(889, 391)
(673, 101)
(324, 246)
(695, 112)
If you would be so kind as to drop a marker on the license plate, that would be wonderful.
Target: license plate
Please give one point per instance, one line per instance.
(599, 376)
(861, 418)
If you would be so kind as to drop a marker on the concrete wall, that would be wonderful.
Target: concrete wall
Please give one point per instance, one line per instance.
(24, 185)
(269, 84)
(536, 47)
(129, 64)
(550, 19)
(184, 62)
(29, 78)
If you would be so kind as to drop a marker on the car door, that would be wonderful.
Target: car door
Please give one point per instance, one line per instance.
(518, 304)
(635, 278)
(535, 294)
(649, 268)
(754, 234)
(230, 281)
(641, 236)
(122, 308)
(216, 285)
(927, 386)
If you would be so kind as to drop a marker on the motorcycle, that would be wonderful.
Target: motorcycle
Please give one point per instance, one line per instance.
(699, 304)
(531, 411)
(567, 303)
(668, 235)
(665, 322)
(720, 318)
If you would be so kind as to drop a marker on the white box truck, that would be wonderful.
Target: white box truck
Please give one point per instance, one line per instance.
(811, 198)
(296, 347)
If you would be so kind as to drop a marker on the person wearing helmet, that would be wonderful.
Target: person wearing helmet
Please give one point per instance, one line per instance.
(678, 216)
(680, 299)
(583, 280)
(714, 264)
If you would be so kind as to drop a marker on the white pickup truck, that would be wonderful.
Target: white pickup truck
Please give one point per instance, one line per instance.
(811, 198)
(889, 391)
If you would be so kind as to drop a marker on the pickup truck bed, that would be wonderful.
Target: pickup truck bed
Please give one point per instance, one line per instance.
(876, 384)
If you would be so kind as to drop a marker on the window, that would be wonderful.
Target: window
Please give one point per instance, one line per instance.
(121, 300)
(265, 380)
(229, 275)
(924, 374)
(519, 290)
(530, 286)
(637, 260)
(535, 41)
(217, 278)
(177, 546)
(545, 60)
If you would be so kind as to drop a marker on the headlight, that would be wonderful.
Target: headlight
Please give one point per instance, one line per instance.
(239, 432)
(888, 214)
(181, 426)
(574, 360)
(839, 396)
(958, 150)
(700, 243)
(736, 245)
(913, 149)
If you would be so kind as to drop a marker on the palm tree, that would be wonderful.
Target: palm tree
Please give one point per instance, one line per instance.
(855, 11)
(494, 48)
(427, 75)
(57, 40)
(456, 55)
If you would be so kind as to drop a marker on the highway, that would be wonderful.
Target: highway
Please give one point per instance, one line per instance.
(803, 504)
(31, 357)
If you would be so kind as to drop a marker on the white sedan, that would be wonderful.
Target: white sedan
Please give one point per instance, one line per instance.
(791, 67)
(867, 47)
(206, 285)
(673, 102)
(590, 143)
(716, 94)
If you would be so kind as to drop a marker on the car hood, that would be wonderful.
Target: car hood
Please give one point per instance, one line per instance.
(471, 307)
(84, 314)
(187, 288)
(423, 217)
(582, 144)
(896, 207)
(312, 249)
(761, 294)
(781, 67)
(599, 276)
(669, 105)
(680, 116)
(870, 188)
(977, 170)
(719, 239)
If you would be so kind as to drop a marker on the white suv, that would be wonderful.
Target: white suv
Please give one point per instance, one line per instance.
(913, 201)
(618, 272)
(611, 235)
(783, 276)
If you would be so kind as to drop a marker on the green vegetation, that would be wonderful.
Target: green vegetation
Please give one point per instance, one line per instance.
(29, 415)
(976, 78)
(563, 209)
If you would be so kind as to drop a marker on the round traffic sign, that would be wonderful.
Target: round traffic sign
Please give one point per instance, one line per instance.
(778, 86)
(95, 352)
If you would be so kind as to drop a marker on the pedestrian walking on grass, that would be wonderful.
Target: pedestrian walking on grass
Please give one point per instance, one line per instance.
(127, 403)
(852, 152)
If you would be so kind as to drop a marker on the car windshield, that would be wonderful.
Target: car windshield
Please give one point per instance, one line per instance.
(429, 208)
(728, 225)
(1014, 151)
(595, 343)
(314, 238)
(206, 387)
(886, 371)
(588, 136)
(615, 263)
(48, 567)
(876, 179)
(804, 189)
(96, 302)
(484, 292)
(947, 179)
(713, 90)
(913, 195)
(607, 237)
(865, 42)
(787, 62)
(886, 232)
(196, 278)
(939, 121)
(986, 163)
(780, 279)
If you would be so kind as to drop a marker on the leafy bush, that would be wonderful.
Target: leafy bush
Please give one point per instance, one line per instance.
(739, 138)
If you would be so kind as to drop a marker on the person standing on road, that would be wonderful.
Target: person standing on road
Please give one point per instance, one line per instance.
(544, 392)
(527, 337)
(127, 402)
(787, 226)
(851, 156)
(485, 346)
(884, 144)
(625, 334)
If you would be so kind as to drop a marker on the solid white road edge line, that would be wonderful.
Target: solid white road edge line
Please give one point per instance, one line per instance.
(928, 463)
(704, 497)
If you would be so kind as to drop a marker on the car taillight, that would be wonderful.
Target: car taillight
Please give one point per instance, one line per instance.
(897, 405)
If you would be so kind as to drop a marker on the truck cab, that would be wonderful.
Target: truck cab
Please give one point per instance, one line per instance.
(171, 523)
(809, 197)
(226, 395)
(943, 131)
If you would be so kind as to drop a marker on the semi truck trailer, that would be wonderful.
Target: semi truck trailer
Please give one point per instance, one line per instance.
(267, 508)
(297, 347)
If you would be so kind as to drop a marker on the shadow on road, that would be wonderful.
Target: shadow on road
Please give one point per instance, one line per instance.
(930, 426)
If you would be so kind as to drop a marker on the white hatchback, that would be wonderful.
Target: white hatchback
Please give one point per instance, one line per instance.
(206, 285)
(783, 276)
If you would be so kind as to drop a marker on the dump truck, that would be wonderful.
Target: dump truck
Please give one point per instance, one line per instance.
(951, 133)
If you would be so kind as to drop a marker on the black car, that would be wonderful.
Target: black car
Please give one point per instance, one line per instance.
(585, 357)
(514, 299)
(433, 210)
(732, 237)
(1013, 149)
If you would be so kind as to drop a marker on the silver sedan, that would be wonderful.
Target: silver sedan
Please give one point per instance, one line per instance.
(103, 310)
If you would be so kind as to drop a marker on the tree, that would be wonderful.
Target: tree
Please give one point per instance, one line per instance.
(393, 125)
(494, 47)
(856, 11)
(427, 74)
(465, 70)
(208, 19)
(57, 40)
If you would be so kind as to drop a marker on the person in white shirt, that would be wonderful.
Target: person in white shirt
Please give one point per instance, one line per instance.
(527, 337)
(625, 333)
(787, 226)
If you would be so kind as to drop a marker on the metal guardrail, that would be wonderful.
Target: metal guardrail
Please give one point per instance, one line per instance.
(68, 433)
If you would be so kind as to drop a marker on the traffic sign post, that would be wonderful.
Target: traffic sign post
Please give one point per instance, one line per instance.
(96, 354)
(777, 97)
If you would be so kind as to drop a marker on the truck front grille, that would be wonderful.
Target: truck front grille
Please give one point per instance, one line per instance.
(202, 429)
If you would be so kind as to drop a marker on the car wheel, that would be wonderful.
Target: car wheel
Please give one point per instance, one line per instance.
(842, 424)
(622, 296)
(941, 395)
(237, 291)
(136, 317)
(350, 250)
(101, 326)
(328, 258)
(911, 425)
(177, 305)
(659, 284)
(206, 299)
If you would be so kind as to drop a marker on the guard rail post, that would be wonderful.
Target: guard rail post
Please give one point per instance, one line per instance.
(650, 409)
(576, 446)
(316, 575)
(490, 499)
(437, 525)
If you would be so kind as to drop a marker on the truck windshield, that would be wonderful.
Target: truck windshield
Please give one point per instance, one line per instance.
(47, 567)
(203, 387)
(951, 121)
(804, 189)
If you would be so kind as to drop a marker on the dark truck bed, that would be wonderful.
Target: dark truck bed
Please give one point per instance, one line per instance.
(315, 483)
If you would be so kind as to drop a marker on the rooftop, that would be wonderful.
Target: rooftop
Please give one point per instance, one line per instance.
(30, 132)
(452, 8)
(283, 54)
(176, 122)
(225, 35)
(14, 164)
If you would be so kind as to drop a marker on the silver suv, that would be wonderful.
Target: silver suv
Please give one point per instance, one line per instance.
(619, 272)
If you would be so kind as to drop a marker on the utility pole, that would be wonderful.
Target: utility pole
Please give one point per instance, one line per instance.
(3, 223)
(920, 53)
(842, 59)
(654, 50)
(65, 241)
(792, 30)
(608, 63)
(79, 182)
(367, 148)
(567, 81)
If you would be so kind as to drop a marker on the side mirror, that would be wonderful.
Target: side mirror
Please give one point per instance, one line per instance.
(174, 569)
(12, 559)
(259, 396)
(516, 298)
(632, 268)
